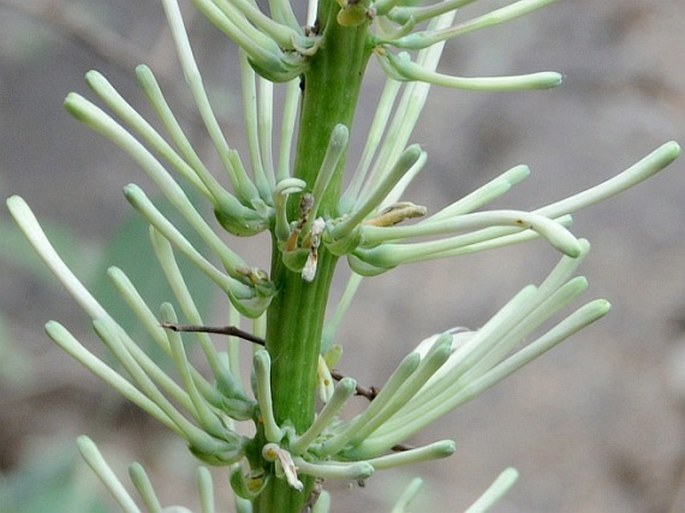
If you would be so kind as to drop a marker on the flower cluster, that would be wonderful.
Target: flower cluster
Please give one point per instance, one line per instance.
(365, 226)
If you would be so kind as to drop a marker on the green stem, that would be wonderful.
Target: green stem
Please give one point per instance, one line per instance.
(295, 317)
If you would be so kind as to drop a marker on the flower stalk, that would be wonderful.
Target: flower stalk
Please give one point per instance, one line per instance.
(295, 192)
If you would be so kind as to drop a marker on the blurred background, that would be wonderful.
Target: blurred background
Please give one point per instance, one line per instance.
(595, 426)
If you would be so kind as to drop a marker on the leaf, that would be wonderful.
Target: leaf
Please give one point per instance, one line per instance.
(48, 485)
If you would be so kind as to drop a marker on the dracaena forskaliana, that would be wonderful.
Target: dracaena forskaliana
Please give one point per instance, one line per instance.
(293, 189)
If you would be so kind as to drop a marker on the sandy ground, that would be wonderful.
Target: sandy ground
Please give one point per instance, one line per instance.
(596, 426)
